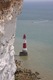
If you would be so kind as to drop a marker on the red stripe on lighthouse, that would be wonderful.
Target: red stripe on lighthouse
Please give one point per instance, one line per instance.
(24, 45)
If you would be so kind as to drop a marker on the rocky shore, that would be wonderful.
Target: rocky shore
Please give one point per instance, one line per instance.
(25, 74)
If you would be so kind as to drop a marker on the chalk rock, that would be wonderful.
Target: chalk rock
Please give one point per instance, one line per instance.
(7, 62)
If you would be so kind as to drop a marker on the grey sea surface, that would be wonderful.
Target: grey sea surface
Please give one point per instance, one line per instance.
(39, 44)
(36, 21)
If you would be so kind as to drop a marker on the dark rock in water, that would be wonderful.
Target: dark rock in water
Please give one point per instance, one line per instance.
(25, 74)
(38, 78)
(36, 73)
(23, 53)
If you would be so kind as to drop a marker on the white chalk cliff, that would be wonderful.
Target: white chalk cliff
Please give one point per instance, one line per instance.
(7, 63)
(7, 37)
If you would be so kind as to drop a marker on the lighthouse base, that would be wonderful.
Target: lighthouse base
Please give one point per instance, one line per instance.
(23, 53)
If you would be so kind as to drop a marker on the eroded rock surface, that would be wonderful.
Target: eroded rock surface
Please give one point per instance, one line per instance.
(25, 74)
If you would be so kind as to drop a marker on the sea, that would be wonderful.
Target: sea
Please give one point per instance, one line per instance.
(36, 21)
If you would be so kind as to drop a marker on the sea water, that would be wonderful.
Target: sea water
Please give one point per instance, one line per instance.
(38, 27)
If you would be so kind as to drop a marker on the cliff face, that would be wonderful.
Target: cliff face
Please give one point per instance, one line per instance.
(9, 9)
(7, 63)
(7, 36)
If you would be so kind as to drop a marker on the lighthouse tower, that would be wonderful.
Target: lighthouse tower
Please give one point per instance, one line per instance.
(24, 50)
(24, 43)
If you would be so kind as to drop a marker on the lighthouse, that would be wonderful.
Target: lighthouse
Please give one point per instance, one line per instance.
(24, 47)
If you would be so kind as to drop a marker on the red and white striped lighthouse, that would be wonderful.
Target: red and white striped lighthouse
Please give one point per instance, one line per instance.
(24, 43)
(24, 47)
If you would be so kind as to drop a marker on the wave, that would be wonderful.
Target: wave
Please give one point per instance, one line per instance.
(41, 21)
